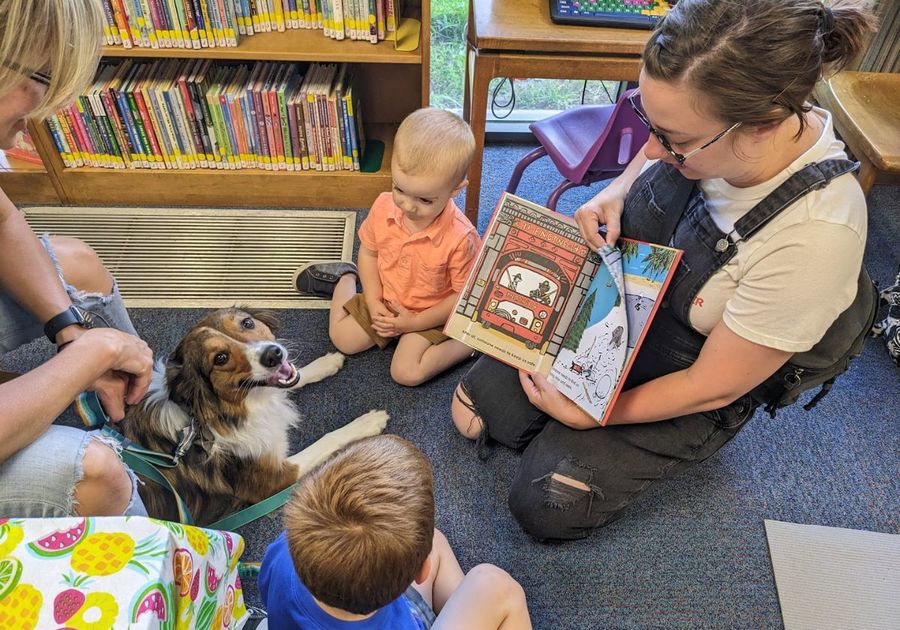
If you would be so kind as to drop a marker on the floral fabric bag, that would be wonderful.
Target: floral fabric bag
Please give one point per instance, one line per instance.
(118, 572)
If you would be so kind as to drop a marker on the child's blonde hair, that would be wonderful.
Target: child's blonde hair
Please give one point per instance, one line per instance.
(360, 525)
(62, 35)
(434, 140)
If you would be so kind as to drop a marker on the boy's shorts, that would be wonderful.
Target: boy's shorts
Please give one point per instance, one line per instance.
(357, 308)
(419, 608)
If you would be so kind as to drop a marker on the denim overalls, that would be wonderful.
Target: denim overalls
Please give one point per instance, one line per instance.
(570, 482)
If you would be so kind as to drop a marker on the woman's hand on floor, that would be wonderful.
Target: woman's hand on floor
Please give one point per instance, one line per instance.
(544, 395)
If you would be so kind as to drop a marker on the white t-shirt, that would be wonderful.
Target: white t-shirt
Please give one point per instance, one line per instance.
(787, 284)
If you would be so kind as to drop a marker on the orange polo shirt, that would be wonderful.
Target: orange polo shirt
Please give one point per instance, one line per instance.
(419, 270)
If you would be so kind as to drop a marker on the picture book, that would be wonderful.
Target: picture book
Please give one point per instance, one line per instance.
(540, 299)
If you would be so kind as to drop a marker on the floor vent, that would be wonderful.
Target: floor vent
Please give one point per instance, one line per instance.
(205, 258)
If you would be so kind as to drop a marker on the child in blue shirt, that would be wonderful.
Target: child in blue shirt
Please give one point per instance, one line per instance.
(360, 552)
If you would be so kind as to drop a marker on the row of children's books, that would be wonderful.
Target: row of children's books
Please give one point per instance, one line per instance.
(220, 23)
(188, 114)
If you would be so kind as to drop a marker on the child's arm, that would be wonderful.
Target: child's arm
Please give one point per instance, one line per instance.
(367, 262)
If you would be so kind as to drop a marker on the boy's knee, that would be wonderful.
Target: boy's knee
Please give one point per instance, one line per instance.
(406, 374)
(81, 266)
(104, 476)
(498, 582)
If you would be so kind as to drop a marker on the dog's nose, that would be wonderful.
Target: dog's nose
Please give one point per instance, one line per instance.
(272, 356)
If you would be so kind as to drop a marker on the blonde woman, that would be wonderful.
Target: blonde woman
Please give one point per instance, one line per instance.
(49, 51)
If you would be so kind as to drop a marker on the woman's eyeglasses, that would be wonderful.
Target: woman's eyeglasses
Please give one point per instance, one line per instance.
(37, 76)
(681, 157)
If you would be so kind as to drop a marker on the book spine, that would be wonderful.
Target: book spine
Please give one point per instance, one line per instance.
(379, 18)
(110, 30)
(215, 117)
(139, 156)
(161, 121)
(285, 130)
(182, 125)
(154, 130)
(118, 127)
(144, 130)
(312, 140)
(59, 140)
(247, 107)
(354, 141)
(390, 18)
(70, 137)
(91, 145)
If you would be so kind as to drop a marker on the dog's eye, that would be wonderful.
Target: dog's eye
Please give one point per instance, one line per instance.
(248, 323)
(221, 358)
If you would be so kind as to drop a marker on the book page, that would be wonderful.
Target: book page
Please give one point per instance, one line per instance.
(592, 359)
(603, 340)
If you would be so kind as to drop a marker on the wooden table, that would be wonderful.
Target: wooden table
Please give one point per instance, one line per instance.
(516, 39)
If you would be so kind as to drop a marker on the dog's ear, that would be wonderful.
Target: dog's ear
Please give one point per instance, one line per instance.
(188, 386)
(266, 317)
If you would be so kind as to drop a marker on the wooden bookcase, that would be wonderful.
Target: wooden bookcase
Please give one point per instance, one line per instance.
(392, 84)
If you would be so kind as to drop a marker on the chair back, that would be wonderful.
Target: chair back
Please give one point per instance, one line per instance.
(622, 138)
(592, 139)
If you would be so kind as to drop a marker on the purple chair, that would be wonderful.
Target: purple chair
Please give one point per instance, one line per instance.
(586, 144)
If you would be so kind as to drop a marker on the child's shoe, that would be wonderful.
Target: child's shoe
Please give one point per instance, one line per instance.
(320, 278)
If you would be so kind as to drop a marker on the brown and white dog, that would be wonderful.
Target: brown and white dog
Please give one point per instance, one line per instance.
(231, 380)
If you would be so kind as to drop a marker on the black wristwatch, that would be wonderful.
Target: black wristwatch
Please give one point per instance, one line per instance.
(72, 316)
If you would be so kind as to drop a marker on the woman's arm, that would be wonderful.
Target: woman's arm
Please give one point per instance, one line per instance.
(30, 403)
(606, 207)
(728, 367)
(26, 272)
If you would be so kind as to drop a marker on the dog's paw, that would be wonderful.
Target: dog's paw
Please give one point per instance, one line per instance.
(369, 424)
(332, 362)
(321, 368)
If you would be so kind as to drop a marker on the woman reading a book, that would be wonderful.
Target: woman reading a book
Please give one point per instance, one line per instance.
(49, 50)
(748, 179)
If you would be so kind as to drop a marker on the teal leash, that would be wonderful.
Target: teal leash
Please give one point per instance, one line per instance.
(147, 464)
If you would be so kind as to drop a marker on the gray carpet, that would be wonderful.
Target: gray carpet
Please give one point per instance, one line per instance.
(692, 552)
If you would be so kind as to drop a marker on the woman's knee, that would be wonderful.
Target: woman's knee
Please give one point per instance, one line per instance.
(81, 266)
(465, 418)
(556, 506)
(105, 487)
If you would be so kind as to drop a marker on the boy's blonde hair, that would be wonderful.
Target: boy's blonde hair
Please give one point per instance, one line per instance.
(360, 525)
(62, 35)
(434, 140)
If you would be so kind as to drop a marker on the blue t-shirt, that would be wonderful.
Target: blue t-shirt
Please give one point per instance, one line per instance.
(290, 605)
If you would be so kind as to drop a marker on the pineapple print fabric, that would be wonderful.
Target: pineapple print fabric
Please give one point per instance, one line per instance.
(118, 572)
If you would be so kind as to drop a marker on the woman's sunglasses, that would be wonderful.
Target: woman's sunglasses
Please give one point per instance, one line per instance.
(37, 76)
(681, 157)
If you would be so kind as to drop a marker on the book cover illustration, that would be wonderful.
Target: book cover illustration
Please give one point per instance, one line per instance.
(539, 299)
(525, 287)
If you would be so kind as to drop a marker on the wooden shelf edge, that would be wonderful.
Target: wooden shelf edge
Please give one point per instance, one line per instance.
(29, 187)
(294, 45)
(232, 188)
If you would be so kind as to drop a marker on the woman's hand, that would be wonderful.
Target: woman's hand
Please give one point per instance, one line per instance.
(604, 209)
(129, 367)
(543, 395)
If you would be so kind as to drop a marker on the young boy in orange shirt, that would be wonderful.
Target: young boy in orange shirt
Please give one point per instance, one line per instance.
(416, 250)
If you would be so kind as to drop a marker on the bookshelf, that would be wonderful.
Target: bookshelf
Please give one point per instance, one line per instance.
(392, 84)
